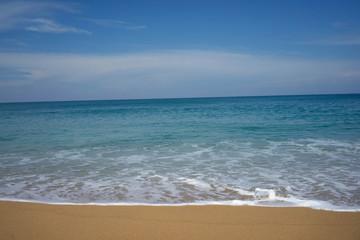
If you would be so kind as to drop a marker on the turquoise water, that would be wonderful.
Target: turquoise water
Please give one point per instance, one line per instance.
(282, 151)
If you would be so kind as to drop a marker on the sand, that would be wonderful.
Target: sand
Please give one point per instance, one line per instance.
(43, 221)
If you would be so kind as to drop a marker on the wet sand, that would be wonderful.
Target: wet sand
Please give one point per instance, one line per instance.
(43, 221)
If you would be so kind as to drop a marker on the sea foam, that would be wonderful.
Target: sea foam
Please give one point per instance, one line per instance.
(262, 151)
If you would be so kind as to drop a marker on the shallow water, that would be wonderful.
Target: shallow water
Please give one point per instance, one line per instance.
(277, 151)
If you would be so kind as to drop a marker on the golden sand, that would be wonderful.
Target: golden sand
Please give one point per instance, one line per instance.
(51, 222)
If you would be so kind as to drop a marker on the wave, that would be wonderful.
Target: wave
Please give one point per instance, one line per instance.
(275, 202)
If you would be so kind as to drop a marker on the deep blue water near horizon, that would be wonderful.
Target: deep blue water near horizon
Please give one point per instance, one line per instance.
(273, 151)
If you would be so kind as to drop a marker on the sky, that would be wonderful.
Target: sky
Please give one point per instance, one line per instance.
(99, 50)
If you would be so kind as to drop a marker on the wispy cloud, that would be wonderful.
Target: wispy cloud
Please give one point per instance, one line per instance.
(13, 41)
(25, 15)
(181, 73)
(115, 23)
(135, 27)
(49, 26)
(340, 34)
(355, 74)
(333, 41)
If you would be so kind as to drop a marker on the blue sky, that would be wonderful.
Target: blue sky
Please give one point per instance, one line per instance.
(80, 50)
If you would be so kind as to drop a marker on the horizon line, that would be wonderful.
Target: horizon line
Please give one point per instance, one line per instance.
(169, 98)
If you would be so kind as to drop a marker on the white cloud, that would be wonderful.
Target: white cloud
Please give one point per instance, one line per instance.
(30, 16)
(115, 23)
(13, 41)
(135, 27)
(352, 74)
(333, 41)
(341, 34)
(34, 16)
(182, 73)
(49, 26)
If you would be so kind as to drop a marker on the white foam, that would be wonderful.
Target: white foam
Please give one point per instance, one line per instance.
(196, 183)
(279, 170)
(282, 202)
(264, 194)
(241, 191)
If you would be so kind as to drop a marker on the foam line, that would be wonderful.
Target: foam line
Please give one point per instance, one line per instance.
(300, 203)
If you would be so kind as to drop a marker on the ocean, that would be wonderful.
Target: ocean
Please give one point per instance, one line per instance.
(263, 151)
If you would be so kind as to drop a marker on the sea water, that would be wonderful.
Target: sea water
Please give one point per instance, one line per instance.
(265, 151)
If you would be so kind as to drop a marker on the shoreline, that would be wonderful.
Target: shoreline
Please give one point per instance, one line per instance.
(26, 220)
(232, 203)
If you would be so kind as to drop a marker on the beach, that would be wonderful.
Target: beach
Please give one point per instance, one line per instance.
(280, 167)
(21, 220)
(227, 151)
(178, 120)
